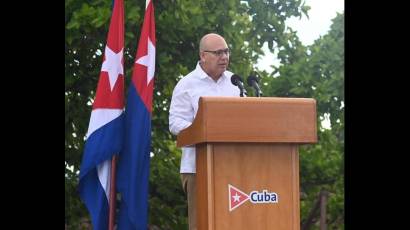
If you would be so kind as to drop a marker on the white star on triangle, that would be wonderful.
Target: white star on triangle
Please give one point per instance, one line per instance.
(236, 197)
(112, 65)
(149, 61)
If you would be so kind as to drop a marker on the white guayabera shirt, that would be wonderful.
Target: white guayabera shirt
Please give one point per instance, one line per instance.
(184, 105)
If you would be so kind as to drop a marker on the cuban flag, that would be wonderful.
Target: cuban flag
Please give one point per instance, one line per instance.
(106, 127)
(133, 163)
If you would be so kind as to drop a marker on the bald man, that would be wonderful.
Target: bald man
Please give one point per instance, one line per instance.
(210, 78)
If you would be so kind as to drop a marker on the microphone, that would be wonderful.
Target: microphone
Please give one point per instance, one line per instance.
(253, 82)
(237, 81)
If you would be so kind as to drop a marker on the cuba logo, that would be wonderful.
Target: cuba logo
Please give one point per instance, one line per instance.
(238, 197)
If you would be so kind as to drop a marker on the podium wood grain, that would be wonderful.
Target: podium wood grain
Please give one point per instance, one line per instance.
(248, 167)
(251, 144)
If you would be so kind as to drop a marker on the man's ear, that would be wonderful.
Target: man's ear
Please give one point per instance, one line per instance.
(202, 56)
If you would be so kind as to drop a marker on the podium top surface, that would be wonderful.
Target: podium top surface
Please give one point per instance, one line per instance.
(252, 119)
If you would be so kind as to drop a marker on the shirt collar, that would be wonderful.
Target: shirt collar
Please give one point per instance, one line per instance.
(202, 75)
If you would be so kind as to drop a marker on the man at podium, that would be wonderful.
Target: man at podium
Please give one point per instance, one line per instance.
(209, 78)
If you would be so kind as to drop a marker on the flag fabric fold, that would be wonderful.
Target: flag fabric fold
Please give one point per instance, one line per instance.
(133, 163)
(106, 128)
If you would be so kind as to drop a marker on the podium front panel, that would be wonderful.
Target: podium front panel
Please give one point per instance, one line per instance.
(248, 186)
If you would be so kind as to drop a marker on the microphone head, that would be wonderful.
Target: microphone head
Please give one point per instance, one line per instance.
(252, 78)
(235, 78)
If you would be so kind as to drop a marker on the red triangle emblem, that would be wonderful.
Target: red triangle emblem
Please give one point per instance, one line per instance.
(236, 197)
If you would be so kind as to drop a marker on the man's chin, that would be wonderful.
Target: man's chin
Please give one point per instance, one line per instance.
(223, 67)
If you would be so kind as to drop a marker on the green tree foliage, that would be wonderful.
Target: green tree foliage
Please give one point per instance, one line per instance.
(317, 71)
(180, 24)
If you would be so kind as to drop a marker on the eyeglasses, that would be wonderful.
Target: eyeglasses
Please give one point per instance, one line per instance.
(218, 52)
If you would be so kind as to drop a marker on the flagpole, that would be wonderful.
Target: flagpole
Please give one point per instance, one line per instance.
(113, 199)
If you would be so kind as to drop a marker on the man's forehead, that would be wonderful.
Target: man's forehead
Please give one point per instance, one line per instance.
(216, 43)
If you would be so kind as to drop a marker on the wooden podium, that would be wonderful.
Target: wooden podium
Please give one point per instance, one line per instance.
(247, 160)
